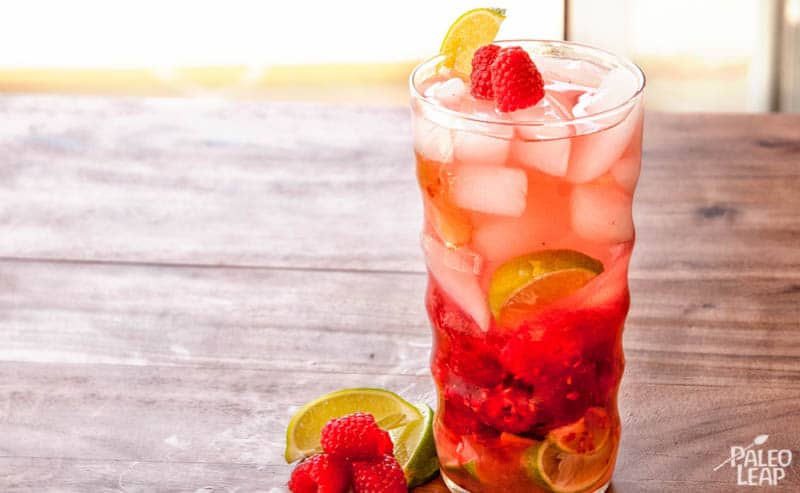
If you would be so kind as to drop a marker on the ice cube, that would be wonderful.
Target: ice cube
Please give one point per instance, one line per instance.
(462, 285)
(433, 140)
(490, 189)
(481, 142)
(549, 109)
(479, 108)
(602, 213)
(618, 86)
(610, 286)
(593, 154)
(548, 156)
(575, 72)
(448, 93)
(478, 148)
(550, 151)
(626, 171)
(544, 223)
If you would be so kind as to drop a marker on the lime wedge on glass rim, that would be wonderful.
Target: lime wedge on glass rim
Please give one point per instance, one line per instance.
(410, 427)
(473, 29)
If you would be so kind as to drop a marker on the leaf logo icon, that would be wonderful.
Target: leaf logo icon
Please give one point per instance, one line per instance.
(760, 439)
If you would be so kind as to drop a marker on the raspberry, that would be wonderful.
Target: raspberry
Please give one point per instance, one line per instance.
(570, 358)
(321, 473)
(516, 82)
(461, 347)
(481, 77)
(355, 437)
(508, 408)
(460, 418)
(382, 475)
(472, 359)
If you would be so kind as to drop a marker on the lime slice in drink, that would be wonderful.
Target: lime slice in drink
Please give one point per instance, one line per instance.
(585, 436)
(415, 449)
(469, 32)
(563, 472)
(410, 427)
(536, 279)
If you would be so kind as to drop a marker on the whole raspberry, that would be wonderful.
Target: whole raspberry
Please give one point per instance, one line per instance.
(355, 437)
(481, 77)
(321, 473)
(382, 475)
(516, 82)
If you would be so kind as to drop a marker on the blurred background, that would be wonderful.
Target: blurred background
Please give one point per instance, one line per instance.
(709, 55)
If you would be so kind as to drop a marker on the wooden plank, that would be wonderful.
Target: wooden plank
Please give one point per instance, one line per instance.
(716, 331)
(151, 424)
(41, 475)
(267, 184)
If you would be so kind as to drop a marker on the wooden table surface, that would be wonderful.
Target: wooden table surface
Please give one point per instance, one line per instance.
(178, 276)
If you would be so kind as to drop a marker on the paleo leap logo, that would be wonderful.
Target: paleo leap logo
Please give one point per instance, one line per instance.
(759, 466)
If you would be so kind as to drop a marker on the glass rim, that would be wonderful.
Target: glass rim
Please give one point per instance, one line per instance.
(622, 61)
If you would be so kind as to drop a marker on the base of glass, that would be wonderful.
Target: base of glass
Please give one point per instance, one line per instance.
(454, 488)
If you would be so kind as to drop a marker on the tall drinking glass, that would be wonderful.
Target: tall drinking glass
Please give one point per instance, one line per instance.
(527, 238)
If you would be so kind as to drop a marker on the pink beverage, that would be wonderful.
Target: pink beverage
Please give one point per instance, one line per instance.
(527, 237)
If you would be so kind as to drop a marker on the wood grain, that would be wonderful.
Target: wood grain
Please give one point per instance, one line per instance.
(177, 277)
(236, 417)
(221, 183)
(680, 331)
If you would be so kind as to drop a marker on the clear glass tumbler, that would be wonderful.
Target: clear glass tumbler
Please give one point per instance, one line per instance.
(527, 237)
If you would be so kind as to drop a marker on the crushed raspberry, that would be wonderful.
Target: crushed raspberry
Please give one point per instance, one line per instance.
(569, 358)
(321, 473)
(516, 82)
(355, 437)
(481, 76)
(381, 475)
(459, 417)
(461, 347)
(511, 408)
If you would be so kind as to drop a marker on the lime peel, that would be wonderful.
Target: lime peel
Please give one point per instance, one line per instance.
(473, 29)
(524, 278)
(305, 427)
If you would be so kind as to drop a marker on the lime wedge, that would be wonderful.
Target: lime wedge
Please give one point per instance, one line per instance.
(390, 411)
(563, 472)
(475, 28)
(585, 436)
(526, 282)
(416, 450)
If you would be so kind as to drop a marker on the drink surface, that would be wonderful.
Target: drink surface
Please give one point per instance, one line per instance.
(527, 237)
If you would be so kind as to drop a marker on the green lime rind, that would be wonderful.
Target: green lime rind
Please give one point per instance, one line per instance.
(415, 449)
(546, 456)
(460, 470)
(389, 409)
(472, 468)
(518, 272)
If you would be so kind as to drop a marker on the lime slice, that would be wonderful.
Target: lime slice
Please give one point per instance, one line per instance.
(536, 279)
(563, 472)
(585, 436)
(415, 449)
(469, 32)
(468, 469)
(471, 468)
(390, 411)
